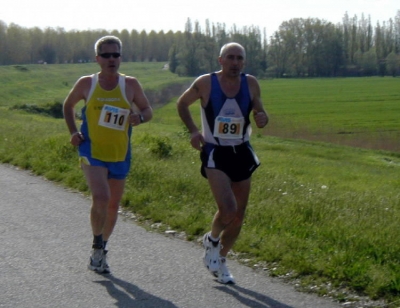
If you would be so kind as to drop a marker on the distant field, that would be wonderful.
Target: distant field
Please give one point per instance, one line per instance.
(361, 112)
(40, 84)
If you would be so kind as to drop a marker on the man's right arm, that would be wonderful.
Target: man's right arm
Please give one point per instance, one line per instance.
(190, 96)
(77, 93)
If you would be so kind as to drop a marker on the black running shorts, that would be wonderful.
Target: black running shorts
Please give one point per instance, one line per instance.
(237, 162)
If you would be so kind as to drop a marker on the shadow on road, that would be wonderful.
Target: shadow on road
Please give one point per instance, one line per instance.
(251, 298)
(128, 295)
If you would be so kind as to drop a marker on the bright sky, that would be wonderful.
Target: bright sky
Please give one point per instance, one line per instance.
(165, 15)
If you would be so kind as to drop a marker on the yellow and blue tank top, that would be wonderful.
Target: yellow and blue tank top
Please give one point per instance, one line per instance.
(105, 124)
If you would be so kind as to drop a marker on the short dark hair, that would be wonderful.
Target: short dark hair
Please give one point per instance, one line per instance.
(108, 39)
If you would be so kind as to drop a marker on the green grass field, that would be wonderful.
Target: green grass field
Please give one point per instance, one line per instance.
(359, 112)
(39, 84)
(323, 213)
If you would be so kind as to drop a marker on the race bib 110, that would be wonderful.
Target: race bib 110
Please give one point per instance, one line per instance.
(113, 117)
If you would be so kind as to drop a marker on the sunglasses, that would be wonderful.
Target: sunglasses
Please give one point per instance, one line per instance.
(108, 55)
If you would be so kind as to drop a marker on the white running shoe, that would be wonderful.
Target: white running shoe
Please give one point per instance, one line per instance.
(211, 254)
(224, 275)
(98, 261)
(106, 267)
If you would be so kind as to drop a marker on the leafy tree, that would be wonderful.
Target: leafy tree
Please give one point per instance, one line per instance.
(306, 47)
(17, 51)
(278, 55)
(173, 58)
(192, 55)
(393, 64)
(397, 33)
(300, 47)
(136, 46)
(3, 44)
(369, 63)
(127, 48)
(143, 52)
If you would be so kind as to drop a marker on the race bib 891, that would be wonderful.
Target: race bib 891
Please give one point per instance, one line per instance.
(113, 117)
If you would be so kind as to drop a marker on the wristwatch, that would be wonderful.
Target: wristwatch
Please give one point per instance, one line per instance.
(141, 118)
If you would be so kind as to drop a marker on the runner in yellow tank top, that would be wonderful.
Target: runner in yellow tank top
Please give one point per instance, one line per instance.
(105, 123)
(104, 138)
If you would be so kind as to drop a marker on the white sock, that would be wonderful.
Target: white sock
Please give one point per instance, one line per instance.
(212, 238)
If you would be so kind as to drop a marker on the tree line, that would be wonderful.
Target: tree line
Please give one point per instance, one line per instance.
(299, 48)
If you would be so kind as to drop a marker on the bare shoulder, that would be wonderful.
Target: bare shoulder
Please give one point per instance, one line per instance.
(84, 82)
(202, 84)
(80, 90)
(254, 86)
(251, 80)
(132, 81)
(203, 78)
(199, 89)
(82, 87)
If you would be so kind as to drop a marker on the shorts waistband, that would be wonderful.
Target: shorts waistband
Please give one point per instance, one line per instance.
(210, 146)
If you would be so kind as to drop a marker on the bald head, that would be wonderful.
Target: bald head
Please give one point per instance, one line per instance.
(229, 46)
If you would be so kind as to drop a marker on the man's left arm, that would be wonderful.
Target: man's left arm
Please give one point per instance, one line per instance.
(141, 102)
(260, 115)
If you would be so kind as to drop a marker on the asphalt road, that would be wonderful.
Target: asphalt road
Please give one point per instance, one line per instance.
(45, 243)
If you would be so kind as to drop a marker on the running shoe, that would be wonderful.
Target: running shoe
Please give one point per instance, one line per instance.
(224, 275)
(97, 258)
(106, 267)
(211, 254)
